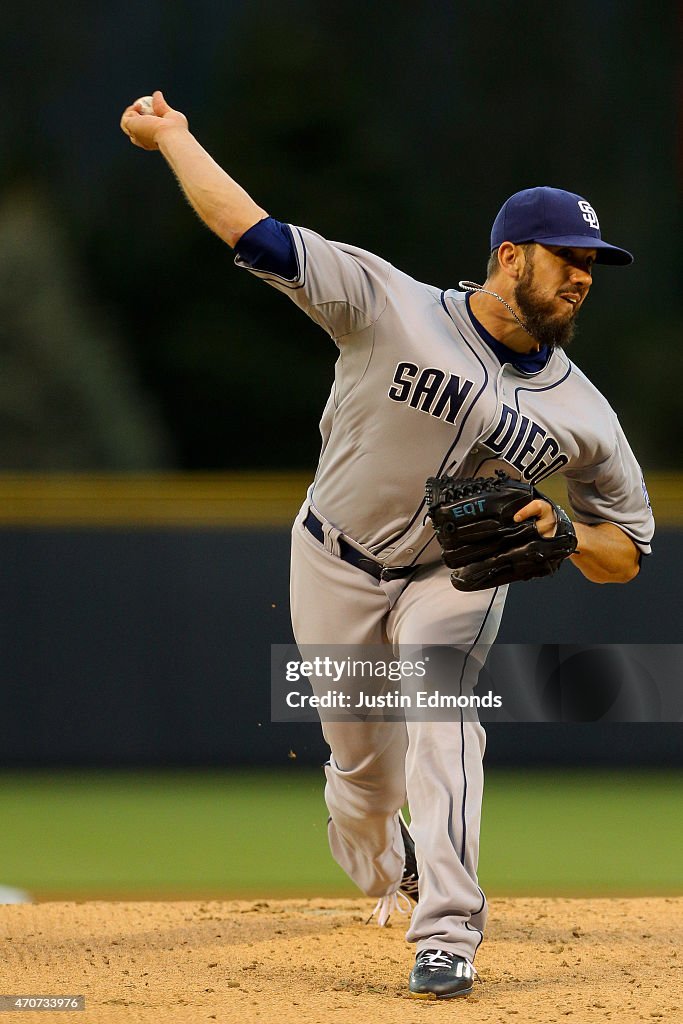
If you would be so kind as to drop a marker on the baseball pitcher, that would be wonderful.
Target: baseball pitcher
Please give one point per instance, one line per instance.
(468, 394)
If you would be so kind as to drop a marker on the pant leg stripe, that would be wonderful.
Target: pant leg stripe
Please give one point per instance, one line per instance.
(471, 928)
(462, 730)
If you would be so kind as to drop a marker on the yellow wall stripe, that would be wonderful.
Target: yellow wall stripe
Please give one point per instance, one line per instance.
(169, 499)
(248, 499)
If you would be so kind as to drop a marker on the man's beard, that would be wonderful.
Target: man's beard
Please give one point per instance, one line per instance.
(546, 326)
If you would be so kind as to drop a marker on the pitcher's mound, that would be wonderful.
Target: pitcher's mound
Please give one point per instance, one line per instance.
(317, 962)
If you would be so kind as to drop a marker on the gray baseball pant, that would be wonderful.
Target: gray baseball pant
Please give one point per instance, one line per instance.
(375, 766)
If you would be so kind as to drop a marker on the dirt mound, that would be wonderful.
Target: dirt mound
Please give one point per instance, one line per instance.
(316, 962)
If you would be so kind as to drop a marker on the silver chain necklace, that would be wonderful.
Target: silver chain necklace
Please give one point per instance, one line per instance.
(472, 286)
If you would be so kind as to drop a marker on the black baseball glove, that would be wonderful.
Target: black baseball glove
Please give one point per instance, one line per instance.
(480, 540)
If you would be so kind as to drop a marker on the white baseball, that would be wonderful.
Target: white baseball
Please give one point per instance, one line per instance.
(146, 105)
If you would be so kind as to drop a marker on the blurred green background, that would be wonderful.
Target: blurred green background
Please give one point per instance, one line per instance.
(181, 834)
(131, 342)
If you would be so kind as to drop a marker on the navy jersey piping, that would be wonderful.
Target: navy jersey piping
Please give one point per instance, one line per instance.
(477, 396)
(303, 246)
(548, 387)
(394, 540)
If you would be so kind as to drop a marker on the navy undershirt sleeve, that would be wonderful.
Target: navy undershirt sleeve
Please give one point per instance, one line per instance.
(268, 246)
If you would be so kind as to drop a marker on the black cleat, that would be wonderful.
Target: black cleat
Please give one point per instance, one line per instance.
(438, 974)
(409, 882)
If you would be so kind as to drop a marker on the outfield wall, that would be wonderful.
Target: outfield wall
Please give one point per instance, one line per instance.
(130, 639)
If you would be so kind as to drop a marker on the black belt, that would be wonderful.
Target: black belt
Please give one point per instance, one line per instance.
(355, 557)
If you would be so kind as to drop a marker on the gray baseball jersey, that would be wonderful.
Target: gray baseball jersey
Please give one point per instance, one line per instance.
(419, 393)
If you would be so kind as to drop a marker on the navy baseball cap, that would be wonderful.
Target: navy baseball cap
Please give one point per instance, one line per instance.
(552, 216)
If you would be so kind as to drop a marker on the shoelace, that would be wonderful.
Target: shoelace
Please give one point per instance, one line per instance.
(410, 886)
(386, 905)
(441, 958)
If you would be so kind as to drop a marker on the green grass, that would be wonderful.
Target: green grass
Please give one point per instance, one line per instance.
(577, 832)
(263, 833)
